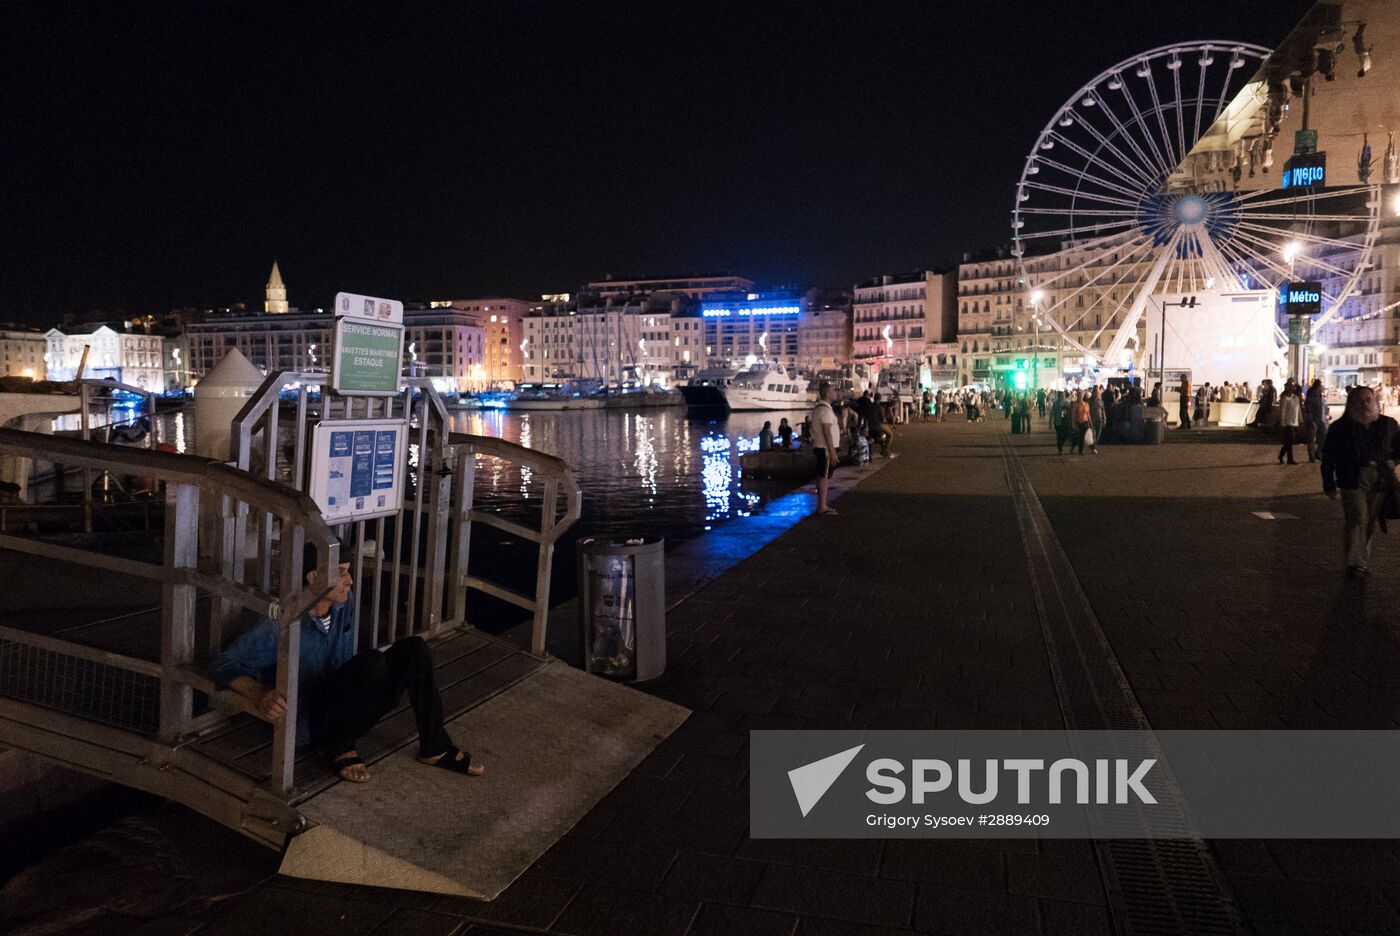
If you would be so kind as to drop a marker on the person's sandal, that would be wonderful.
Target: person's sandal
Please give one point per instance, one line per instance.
(343, 764)
(449, 760)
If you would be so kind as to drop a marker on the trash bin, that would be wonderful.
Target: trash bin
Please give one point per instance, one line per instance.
(622, 589)
(1154, 426)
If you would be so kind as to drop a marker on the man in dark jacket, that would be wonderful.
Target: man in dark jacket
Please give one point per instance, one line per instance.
(1315, 417)
(1359, 458)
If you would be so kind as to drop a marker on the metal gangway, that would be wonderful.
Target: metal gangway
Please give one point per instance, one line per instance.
(123, 694)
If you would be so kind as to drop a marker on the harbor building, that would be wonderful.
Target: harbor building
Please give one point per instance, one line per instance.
(22, 353)
(135, 359)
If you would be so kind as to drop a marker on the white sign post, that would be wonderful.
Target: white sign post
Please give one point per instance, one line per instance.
(367, 359)
(357, 468)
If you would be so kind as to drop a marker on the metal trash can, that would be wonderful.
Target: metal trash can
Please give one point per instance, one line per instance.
(622, 589)
(1154, 426)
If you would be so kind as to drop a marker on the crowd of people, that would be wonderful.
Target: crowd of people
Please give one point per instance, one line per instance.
(1358, 451)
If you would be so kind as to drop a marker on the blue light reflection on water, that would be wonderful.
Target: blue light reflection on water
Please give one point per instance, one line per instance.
(648, 473)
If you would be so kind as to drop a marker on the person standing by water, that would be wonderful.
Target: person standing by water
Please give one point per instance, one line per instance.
(1358, 459)
(826, 443)
(1315, 419)
(1290, 416)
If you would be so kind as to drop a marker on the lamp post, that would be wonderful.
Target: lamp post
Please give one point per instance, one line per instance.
(1035, 320)
(1187, 302)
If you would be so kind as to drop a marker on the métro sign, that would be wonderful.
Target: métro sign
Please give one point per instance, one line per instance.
(368, 340)
(357, 468)
(1301, 298)
(1308, 170)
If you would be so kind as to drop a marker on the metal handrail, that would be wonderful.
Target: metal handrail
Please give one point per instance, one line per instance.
(555, 475)
(189, 481)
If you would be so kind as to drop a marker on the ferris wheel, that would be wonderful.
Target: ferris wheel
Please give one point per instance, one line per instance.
(1158, 178)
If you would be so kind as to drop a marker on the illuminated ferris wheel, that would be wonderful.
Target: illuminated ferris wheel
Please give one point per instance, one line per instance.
(1159, 178)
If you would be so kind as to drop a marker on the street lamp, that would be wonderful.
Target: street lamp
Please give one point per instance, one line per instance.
(1187, 302)
(1035, 320)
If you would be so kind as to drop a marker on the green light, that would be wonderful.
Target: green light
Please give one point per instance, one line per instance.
(1020, 380)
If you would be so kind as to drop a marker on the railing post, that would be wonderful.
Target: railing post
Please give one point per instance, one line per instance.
(84, 420)
(178, 608)
(225, 610)
(461, 531)
(290, 584)
(439, 519)
(545, 565)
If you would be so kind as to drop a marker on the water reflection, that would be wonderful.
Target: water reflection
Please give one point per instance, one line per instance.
(643, 473)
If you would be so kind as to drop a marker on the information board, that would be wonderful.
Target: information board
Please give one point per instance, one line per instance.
(367, 358)
(357, 468)
(1303, 298)
(1308, 170)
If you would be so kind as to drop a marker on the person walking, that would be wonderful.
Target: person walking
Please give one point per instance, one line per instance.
(1079, 419)
(1183, 402)
(1358, 458)
(1059, 419)
(1315, 419)
(826, 443)
(1290, 416)
(1202, 404)
(1040, 403)
(1097, 417)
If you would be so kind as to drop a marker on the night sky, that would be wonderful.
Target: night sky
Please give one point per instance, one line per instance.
(157, 156)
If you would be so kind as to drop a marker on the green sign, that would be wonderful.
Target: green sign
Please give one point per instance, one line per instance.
(367, 358)
(1305, 141)
(1299, 329)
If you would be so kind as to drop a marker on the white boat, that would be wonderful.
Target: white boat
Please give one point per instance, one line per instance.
(768, 387)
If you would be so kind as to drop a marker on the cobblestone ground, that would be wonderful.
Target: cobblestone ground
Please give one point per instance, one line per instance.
(913, 609)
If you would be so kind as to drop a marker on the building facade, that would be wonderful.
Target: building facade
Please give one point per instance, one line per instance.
(22, 353)
(1362, 345)
(896, 317)
(745, 327)
(691, 287)
(503, 322)
(548, 343)
(824, 332)
(445, 344)
(134, 359)
(999, 334)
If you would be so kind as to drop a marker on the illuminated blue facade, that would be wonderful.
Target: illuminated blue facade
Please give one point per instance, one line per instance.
(761, 326)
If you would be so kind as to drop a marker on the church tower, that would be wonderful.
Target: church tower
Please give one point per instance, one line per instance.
(276, 292)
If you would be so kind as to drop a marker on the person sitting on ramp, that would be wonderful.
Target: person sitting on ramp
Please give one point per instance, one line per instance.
(341, 694)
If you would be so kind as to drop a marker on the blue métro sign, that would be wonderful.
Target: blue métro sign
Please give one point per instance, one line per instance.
(1301, 298)
(1308, 170)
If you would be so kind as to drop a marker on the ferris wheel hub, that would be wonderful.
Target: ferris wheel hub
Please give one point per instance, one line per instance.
(1191, 209)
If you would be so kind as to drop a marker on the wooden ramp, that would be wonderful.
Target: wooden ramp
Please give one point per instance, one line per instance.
(554, 744)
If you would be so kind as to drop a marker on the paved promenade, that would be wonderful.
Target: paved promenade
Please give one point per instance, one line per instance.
(914, 608)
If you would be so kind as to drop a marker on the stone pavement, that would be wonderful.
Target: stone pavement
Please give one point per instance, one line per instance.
(913, 609)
